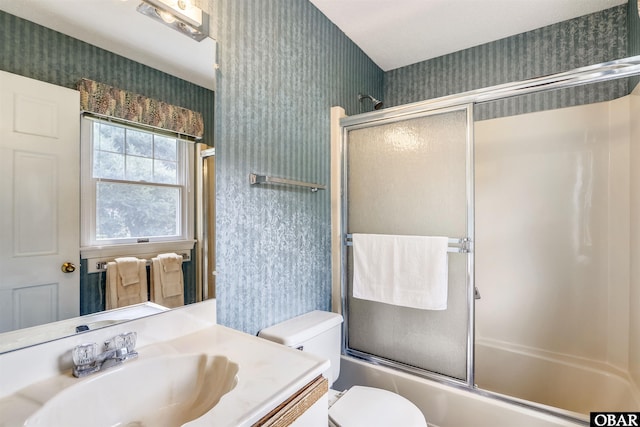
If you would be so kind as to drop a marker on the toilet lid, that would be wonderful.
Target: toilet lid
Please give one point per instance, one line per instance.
(373, 407)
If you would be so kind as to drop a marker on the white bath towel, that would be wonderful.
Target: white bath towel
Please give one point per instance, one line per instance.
(408, 271)
(167, 288)
(119, 295)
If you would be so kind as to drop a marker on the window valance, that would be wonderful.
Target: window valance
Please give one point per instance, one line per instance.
(108, 101)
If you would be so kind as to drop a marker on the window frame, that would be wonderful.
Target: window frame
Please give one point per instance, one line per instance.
(90, 246)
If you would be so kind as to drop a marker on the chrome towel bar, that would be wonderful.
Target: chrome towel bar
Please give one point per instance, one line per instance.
(102, 264)
(464, 242)
(255, 179)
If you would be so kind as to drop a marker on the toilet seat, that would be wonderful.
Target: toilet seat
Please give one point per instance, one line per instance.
(373, 407)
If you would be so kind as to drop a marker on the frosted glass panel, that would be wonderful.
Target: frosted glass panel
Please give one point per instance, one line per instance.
(409, 178)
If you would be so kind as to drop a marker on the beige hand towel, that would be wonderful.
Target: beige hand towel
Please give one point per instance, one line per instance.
(128, 270)
(171, 262)
(167, 289)
(118, 295)
(171, 275)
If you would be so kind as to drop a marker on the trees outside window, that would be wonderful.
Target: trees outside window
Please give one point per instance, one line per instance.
(135, 183)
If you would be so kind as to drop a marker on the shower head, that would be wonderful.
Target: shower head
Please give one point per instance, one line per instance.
(377, 104)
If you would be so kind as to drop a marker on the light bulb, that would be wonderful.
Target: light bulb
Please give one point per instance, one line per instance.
(184, 4)
(166, 16)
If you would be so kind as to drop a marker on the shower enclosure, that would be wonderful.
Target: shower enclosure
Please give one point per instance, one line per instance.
(539, 206)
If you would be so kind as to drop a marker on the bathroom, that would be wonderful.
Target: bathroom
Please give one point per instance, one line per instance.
(273, 248)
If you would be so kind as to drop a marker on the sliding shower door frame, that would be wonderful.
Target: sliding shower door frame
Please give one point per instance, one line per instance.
(602, 72)
(365, 122)
(605, 71)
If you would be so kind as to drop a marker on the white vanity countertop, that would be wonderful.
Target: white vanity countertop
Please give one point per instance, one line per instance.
(268, 373)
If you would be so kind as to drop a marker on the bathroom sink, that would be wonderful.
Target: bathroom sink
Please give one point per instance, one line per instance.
(160, 391)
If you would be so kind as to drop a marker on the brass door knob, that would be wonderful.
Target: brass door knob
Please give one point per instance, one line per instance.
(68, 267)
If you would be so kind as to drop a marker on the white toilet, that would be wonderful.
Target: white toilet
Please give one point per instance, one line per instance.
(319, 332)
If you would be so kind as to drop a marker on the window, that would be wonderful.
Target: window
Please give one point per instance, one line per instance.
(135, 186)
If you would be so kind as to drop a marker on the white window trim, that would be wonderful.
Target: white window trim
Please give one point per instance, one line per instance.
(88, 247)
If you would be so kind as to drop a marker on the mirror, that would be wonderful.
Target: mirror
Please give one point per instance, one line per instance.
(26, 337)
(136, 36)
(186, 76)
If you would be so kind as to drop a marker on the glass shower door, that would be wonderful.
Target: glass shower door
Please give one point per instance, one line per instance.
(412, 176)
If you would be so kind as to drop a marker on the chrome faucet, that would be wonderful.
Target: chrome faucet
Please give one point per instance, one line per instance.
(118, 349)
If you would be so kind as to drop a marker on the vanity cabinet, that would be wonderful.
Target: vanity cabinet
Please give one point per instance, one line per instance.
(306, 408)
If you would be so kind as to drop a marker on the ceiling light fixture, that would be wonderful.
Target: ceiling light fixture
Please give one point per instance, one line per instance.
(181, 15)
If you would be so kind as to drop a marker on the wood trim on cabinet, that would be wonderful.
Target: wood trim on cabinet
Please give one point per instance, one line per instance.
(291, 409)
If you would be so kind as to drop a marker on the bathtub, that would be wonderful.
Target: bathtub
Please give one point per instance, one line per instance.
(575, 384)
(445, 405)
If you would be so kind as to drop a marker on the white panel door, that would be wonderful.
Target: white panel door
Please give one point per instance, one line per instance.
(39, 202)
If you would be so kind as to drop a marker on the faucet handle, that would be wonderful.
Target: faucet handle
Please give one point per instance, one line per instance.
(123, 345)
(118, 342)
(114, 343)
(85, 357)
(85, 354)
(130, 339)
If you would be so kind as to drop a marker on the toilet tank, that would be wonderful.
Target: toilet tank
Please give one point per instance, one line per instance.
(316, 332)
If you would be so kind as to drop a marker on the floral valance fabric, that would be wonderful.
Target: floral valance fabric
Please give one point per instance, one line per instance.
(105, 100)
